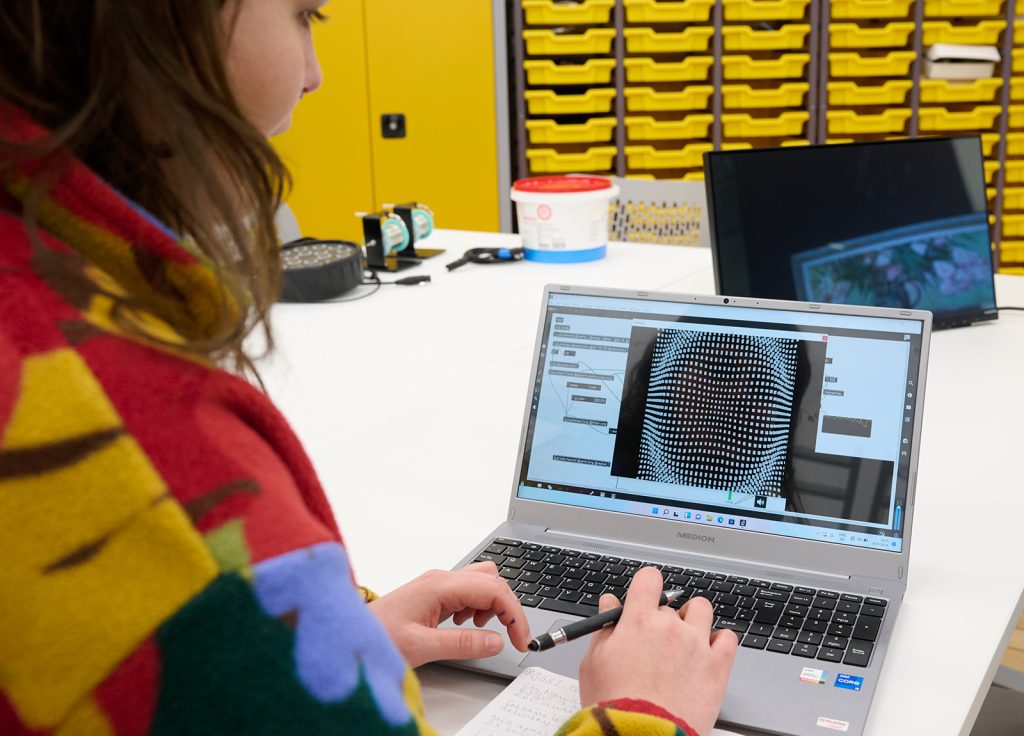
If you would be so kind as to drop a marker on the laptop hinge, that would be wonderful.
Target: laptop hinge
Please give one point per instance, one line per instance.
(688, 553)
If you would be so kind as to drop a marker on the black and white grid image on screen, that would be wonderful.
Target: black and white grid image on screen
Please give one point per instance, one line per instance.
(891, 224)
(739, 414)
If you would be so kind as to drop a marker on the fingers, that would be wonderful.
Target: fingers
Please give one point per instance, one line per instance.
(725, 642)
(644, 593)
(486, 567)
(698, 613)
(607, 602)
(471, 589)
(441, 644)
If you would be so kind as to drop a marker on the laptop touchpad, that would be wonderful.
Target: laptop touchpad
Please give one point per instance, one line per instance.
(563, 659)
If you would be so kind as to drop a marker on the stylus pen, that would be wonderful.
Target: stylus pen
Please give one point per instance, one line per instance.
(588, 625)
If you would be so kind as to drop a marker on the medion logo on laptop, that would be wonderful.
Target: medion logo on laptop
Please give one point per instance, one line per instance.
(696, 537)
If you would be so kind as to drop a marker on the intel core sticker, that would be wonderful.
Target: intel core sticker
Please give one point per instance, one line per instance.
(833, 724)
(809, 674)
(849, 682)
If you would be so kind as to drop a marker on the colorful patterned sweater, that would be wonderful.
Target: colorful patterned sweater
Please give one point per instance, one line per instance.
(171, 564)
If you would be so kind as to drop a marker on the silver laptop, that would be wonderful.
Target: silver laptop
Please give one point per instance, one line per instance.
(761, 453)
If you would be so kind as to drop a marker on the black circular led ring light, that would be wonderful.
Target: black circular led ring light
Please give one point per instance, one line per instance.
(317, 270)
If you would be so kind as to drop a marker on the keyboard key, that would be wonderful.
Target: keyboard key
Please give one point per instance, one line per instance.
(782, 632)
(590, 599)
(631, 563)
(799, 611)
(570, 584)
(851, 597)
(506, 542)
(596, 577)
(609, 558)
(575, 573)
(858, 653)
(672, 570)
(537, 567)
(835, 642)
(783, 587)
(721, 586)
(746, 602)
(527, 588)
(760, 583)
(726, 611)
(534, 556)
(819, 627)
(753, 641)
(847, 606)
(552, 550)
(679, 580)
(805, 591)
(574, 609)
(772, 595)
(745, 614)
(716, 576)
(590, 556)
(799, 599)
(619, 581)
(809, 637)
(768, 616)
(746, 590)
(866, 628)
(573, 596)
(530, 601)
(514, 563)
(531, 546)
(834, 629)
(727, 599)
(570, 553)
(514, 552)
(615, 569)
(761, 629)
(819, 614)
(730, 623)
(828, 594)
(697, 593)
(844, 618)
(830, 655)
(867, 610)
(509, 573)
(497, 559)
(549, 591)
(827, 603)
(880, 602)
(791, 622)
(693, 573)
(700, 583)
(617, 590)
(805, 650)
(737, 580)
(594, 566)
(781, 646)
(530, 577)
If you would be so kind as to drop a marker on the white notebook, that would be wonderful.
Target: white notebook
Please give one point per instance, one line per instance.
(536, 703)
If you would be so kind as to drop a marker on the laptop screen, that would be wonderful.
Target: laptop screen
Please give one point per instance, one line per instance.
(769, 421)
(885, 224)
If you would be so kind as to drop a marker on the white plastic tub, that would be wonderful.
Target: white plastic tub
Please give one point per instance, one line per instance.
(564, 219)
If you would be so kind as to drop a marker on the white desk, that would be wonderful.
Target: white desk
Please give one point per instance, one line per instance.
(410, 403)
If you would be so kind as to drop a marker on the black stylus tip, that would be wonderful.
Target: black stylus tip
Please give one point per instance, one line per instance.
(534, 645)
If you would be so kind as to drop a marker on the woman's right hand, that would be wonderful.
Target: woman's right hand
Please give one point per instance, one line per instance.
(657, 654)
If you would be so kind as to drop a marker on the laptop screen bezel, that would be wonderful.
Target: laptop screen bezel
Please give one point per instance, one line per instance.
(729, 544)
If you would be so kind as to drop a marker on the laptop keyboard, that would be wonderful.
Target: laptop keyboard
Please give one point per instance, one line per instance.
(771, 616)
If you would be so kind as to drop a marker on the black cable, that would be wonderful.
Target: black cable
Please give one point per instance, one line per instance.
(1015, 309)
(488, 255)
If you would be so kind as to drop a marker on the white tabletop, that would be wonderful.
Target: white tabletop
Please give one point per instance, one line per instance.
(410, 403)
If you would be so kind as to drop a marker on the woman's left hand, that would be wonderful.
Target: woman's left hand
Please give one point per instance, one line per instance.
(412, 613)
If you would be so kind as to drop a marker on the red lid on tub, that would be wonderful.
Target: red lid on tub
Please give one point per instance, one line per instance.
(562, 184)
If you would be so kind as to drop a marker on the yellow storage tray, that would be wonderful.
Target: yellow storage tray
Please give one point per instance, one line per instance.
(849, 64)
(833, 141)
(795, 142)
(645, 99)
(871, 9)
(742, 125)
(1013, 198)
(1016, 119)
(1018, 61)
(765, 9)
(693, 176)
(547, 72)
(949, 90)
(744, 96)
(787, 66)
(893, 92)
(1014, 171)
(746, 38)
(692, 69)
(646, 128)
(961, 8)
(982, 117)
(649, 41)
(591, 42)
(849, 122)
(737, 146)
(550, 161)
(551, 13)
(1011, 251)
(853, 36)
(647, 157)
(991, 167)
(595, 130)
(989, 141)
(983, 33)
(547, 102)
(1015, 144)
(682, 11)
(1017, 90)
(1013, 226)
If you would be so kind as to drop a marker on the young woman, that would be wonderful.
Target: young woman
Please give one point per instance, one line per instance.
(171, 564)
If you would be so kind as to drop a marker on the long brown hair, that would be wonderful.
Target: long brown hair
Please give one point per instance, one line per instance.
(138, 91)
